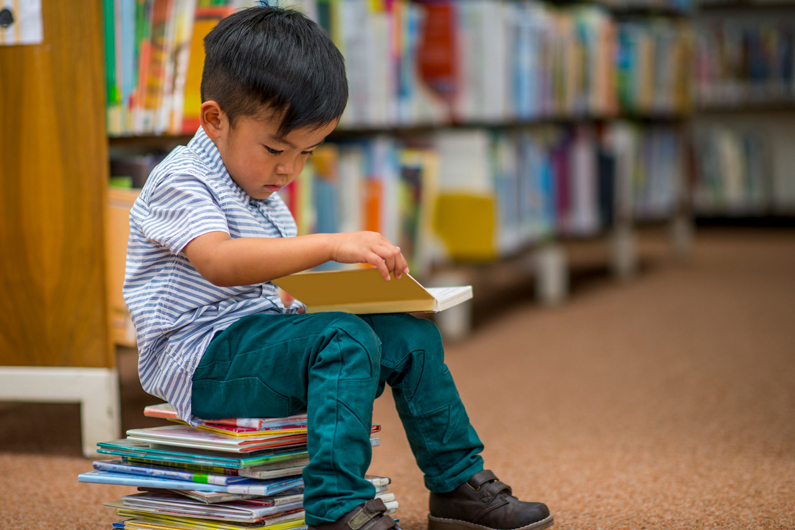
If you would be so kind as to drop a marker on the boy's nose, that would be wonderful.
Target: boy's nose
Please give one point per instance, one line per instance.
(284, 169)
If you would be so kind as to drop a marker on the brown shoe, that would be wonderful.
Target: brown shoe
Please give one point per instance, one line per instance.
(485, 503)
(369, 516)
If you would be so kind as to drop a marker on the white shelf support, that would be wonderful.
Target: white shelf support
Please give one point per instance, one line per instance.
(624, 250)
(96, 389)
(682, 233)
(454, 323)
(552, 274)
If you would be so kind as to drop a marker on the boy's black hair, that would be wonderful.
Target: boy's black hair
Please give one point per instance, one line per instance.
(275, 59)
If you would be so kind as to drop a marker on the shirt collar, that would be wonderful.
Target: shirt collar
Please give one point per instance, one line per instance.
(204, 147)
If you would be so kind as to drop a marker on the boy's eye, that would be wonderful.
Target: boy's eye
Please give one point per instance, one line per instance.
(308, 153)
(273, 151)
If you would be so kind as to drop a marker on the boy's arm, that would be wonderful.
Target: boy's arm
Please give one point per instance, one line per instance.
(228, 262)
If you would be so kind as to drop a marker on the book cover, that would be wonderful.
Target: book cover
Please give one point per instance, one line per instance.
(364, 291)
(187, 436)
(206, 19)
(132, 448)
(171, 516)
(165, 410)
(250, 486)
(119, 466)
(166, 503)
(156, 67)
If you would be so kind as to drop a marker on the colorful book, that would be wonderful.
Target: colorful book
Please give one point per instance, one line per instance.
(207, 17)
(131, 448)
(166, 522)
(207, 497)
(250, 487)
(187, 436)
(165, 410)
(119, 466)
(166, 503)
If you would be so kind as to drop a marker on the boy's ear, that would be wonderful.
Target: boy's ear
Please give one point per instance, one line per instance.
(213, 119)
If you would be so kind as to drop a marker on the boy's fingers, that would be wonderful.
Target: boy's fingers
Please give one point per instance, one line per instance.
(402, 264)
(398, 260)
(389, 260)
(379, 263)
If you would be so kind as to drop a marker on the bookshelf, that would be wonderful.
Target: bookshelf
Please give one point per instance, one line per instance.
(548, 96)
(743, 124)
(54, 339)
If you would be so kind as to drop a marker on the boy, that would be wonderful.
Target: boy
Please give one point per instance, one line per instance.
(209, 232)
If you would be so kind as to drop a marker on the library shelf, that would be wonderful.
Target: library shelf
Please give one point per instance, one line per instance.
(168, 141)
(717, 7)
(568, 134)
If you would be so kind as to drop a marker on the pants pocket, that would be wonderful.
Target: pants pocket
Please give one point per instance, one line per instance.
(246, 397)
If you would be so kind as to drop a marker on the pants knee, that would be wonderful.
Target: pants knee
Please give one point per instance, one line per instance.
(359, 347)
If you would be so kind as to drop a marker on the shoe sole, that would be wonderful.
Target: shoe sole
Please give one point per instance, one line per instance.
(438, 523)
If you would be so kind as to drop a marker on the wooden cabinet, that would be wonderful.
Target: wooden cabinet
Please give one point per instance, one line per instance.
(54, 337)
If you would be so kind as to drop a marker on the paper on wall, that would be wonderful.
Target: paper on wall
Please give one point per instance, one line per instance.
(20, 22)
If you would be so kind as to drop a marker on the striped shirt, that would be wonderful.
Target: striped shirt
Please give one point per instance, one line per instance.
(176, 312)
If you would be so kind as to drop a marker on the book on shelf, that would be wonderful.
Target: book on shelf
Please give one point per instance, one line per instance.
(365, 291)
(745, 61)
(414, 63)
(732, 172)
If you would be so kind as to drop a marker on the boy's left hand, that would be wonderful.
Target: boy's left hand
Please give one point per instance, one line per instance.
(372, 248)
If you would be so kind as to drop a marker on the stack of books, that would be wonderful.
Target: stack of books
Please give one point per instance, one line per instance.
(230, 474)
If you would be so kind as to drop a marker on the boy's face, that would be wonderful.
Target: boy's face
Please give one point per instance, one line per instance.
(257, 159)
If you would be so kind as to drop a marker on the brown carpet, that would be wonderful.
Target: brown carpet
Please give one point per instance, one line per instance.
(667, 402)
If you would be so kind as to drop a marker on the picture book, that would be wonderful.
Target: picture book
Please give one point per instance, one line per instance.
(364, 291)
(187, 436)
(250, 487)
(206, 497)
(140, 523)
(165, 410)
(166, 522)
(131, 448)
(197, 468)
(119, 466)
(231, 511)
(285, 469)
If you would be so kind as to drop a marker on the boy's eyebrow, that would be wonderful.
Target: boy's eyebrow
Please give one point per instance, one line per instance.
(288, 143)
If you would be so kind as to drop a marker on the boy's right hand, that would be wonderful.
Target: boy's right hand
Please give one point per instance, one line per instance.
(372, 248)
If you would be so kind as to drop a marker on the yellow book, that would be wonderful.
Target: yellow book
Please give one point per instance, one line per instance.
(365, 291)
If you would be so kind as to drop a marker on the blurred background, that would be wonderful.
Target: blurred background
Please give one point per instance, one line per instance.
(615, 179)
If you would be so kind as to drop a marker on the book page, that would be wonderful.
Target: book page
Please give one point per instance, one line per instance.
(444, 293)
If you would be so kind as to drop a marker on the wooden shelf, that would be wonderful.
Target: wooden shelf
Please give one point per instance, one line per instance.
(749, 108)
(168, 141)
(713, 7)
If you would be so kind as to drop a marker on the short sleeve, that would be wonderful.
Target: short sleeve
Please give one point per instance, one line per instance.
(180, 209)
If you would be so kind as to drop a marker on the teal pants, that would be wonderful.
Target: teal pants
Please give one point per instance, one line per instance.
(335, 365)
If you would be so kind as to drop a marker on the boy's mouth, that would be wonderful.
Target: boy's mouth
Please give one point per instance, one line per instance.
(272, 189)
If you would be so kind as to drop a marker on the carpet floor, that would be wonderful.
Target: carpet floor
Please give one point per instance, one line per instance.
(666, 402)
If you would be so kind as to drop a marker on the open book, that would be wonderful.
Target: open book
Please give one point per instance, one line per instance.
(364, 291)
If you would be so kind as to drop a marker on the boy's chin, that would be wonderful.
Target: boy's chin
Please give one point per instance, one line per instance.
(261, 195)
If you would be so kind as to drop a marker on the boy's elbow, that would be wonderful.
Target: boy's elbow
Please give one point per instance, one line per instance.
(216, 276)
(213, 272)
